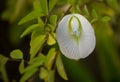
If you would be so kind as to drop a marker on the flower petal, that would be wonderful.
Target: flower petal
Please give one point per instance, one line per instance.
(68, 45)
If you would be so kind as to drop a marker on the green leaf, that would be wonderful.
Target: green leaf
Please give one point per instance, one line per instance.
(53, 20)
(94, 13)
(40, 22)
(105, 19)
(36, 44)
(44, 7)
(50, 58)
(32, 15)
(48, 28)
(36, 5)
(93, 20)
(51, 76)
(16, 54)
(39, 59)
(21, 67)
(86, 12)
(41, 5)
(51, 40)
(29, 29)
(28, 74)
(60, 67)
(52, 4)
(36, 33)
(3, 73)
(34, 65)
(43, 73)
(35, 62)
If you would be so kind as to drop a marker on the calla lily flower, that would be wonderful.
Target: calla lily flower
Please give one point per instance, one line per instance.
(75, 36)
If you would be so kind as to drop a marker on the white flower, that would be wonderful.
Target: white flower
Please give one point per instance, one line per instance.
(75, 36)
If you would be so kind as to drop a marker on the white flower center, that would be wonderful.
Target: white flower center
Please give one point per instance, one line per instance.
(75, 27)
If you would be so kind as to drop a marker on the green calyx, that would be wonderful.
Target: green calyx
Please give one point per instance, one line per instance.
(75, 28)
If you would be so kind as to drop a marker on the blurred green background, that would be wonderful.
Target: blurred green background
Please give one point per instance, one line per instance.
(103, 65)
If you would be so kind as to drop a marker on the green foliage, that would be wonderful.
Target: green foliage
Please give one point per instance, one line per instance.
(50, 58)
(51, 39)
(31, 68)
(94, 13)
(16, 54)
(44, 6)
(40, 9)
(52, 4)
(32, 64)
(43, 73)
(36, 44)
(39, 59)
(53, 21)
(21, 67)
(32, 15)
(29, 30)
(28, 74)
(40, 22)
(60, 67)
(105, 18)
(86, 12)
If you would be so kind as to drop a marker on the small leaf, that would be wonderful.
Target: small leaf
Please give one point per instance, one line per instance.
(94, 20)
(50, 58)
(21, 67)
(51, 40)
(28, 74)
(53, 20)
(36, 33)
(105, 19)
(16, 54)
(52, 4)
(40, 22)
(36, 44)
(94, 13)
(29, 30)
(44, 7)
(51, 76)
(38, 59)
(34, 65)
(36, 5)
(3, 73)
(35, 62)
(86, 12)
(43, 73)
(60, 67)
(32, 15)
(49, 28)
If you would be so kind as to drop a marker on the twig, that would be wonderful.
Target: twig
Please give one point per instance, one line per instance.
(62, 16)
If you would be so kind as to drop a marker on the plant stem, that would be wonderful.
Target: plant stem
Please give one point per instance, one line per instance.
(63, 16)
